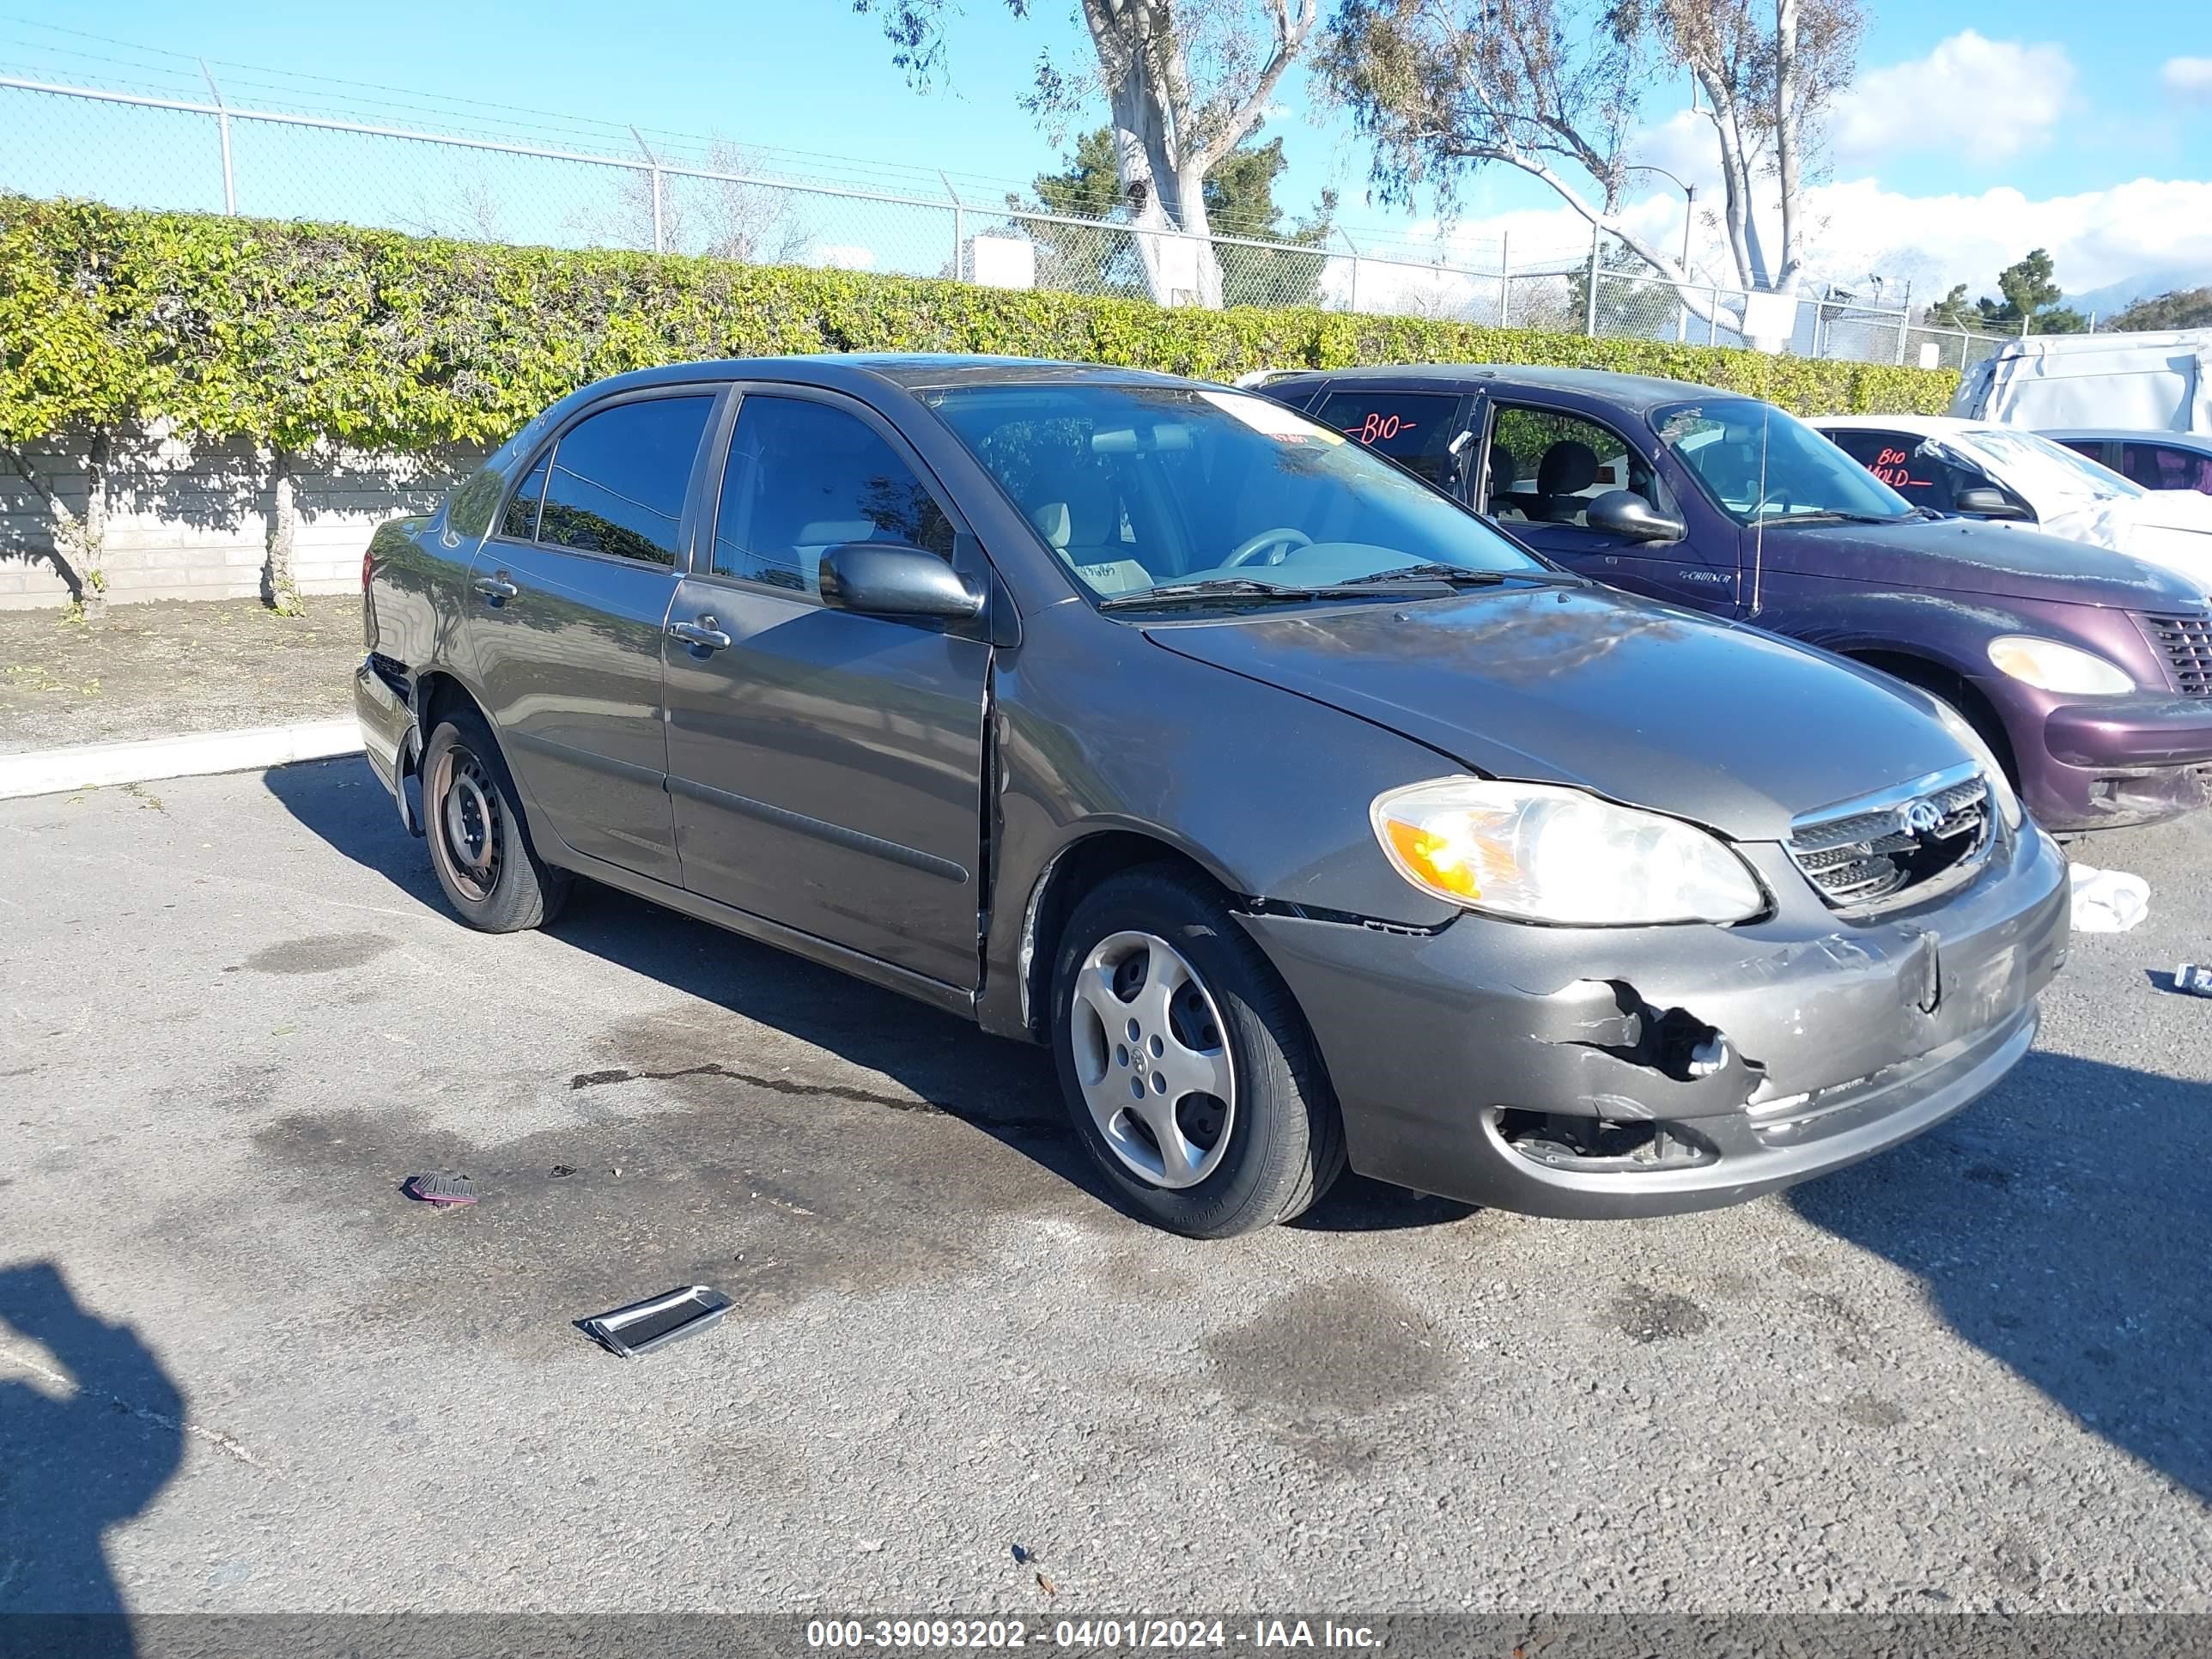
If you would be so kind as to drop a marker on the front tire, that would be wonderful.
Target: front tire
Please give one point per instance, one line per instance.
(1189, 1071)
(479, 846)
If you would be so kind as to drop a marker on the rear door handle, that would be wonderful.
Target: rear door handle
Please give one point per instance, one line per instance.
(702, 634)
(497, 589)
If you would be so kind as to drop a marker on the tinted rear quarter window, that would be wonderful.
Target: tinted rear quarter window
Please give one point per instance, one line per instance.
(619, 478)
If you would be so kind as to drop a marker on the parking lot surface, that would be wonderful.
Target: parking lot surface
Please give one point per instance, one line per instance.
(1970, 1374)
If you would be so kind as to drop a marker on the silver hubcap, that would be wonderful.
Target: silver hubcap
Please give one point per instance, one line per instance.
(468, 822)
(1152, 1059)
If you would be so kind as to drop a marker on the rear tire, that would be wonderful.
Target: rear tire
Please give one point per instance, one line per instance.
(479, 844)
(1189, 1070)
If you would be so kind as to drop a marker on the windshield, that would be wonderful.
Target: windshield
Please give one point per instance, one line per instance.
(2035, 466)
(1760, 464)
(1142, 488)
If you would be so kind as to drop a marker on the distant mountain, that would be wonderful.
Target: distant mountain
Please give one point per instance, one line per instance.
(2115, 297)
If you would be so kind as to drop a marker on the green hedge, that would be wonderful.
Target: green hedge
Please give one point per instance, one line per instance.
(287, 333)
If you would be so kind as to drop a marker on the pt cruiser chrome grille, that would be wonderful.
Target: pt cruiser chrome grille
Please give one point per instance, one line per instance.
(1933, 829)
(2186, 644)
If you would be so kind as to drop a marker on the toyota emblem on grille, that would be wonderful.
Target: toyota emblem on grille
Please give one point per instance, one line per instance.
(1922, 817)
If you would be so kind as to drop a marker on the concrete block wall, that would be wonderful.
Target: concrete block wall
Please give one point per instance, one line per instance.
(191, 521)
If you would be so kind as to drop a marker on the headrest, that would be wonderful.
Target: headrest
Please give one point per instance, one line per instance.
(1567, 467)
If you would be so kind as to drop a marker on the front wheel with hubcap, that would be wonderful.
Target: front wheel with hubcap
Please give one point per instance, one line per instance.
(478, 845)
(1189, 1073)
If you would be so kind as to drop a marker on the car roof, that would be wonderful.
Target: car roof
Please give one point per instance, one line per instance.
(908, 369)
(1638, 391)
(2198, 441)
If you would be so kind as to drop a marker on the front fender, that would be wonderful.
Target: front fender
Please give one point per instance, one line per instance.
(1264, 789)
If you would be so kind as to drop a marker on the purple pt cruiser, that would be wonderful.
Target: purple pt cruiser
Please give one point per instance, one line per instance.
(2089, 672)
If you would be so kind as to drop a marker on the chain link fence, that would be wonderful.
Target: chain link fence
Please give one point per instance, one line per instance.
(137, 149)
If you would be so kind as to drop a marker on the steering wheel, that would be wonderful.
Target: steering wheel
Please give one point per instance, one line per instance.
(1280, 541)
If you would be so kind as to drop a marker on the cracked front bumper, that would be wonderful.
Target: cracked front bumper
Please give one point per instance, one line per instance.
(1844, 1037)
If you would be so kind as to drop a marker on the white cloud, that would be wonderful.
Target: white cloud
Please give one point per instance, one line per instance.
(842, 255)
(1983, 99)
(2150, 225)
(2188, 79)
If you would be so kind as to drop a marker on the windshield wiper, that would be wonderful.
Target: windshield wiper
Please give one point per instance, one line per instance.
(1838, 514)
(1430, 572)
(1241, 587)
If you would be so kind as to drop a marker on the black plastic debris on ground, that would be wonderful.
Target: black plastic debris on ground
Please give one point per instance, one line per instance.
(656, 1321)
(440, 1190)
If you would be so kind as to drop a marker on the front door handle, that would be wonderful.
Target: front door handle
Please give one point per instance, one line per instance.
(702, 635)
(497, 589)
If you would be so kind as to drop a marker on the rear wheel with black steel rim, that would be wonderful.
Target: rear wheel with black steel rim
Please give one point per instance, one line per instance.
(1189, 1073)
(479, 847)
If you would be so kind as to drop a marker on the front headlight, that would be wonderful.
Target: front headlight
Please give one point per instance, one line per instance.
(2050, 666)
(1540, 853)
(1985, 757)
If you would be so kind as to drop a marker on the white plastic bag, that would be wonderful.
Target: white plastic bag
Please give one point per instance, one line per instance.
(2106, 901)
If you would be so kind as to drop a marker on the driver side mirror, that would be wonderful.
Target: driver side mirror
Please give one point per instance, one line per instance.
(1625, 513)
(1984, 502)
(890, 579)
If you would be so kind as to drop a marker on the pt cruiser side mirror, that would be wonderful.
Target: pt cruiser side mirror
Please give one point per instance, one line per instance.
(1986, 503)
(889, 579)
(1625, 513)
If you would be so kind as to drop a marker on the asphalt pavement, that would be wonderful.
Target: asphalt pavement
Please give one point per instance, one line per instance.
(239, 1371)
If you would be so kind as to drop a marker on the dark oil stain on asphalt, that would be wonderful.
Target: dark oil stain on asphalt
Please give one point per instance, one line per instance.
(1989, 1175)
(325, 953)
(770, 1189)
(1644, 1315)
(1340, 1347)
(1871, 1410)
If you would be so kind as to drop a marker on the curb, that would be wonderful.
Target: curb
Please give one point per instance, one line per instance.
(93, 765)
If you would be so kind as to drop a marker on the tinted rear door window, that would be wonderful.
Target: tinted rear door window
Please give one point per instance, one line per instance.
(619, 478)
(521, 520)
(1897, 459)
(2167, 466)
(1415, 429)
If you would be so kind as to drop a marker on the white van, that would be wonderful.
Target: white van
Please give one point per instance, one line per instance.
(2151, 382)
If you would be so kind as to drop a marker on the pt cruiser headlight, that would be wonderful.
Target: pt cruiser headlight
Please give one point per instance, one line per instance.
(1986, 758)
(2050, 666)
(1540, 853)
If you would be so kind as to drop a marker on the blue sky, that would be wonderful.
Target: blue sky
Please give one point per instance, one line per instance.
(1957, 107)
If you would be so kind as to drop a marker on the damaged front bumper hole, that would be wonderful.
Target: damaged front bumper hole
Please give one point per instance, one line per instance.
(1560, 1141)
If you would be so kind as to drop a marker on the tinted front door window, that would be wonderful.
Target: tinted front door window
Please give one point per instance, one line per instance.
(1415, 429)
(803, 478)
(619, 478)
(1546, 467)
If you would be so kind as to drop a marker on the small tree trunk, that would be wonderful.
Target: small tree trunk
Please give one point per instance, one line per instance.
(280, 592)
(92, 589)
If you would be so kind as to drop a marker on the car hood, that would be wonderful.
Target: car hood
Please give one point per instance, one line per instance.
(1969, 555)
(2172, 528)
(1641, 702)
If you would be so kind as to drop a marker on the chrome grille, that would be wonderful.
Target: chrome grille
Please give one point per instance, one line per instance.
(1897, 840)
(2185, 642)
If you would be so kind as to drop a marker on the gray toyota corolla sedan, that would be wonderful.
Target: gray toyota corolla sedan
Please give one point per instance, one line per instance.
(1309, 819)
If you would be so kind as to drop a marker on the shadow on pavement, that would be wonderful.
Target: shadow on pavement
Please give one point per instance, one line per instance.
(74, 1460)
(1006, 1089)
(2062, 1226)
